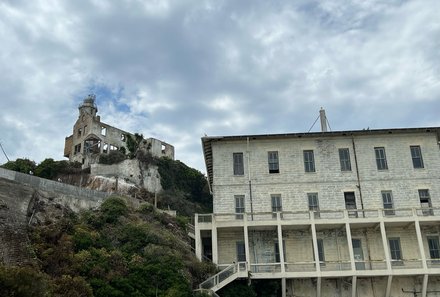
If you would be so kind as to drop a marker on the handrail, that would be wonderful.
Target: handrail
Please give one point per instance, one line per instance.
(223, 275)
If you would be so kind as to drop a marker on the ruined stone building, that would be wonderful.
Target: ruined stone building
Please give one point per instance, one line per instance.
(92, 137)
(348, 213)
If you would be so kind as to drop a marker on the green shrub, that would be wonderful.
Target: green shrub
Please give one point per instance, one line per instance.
(113, 157)
(23, 282)
(112, 208)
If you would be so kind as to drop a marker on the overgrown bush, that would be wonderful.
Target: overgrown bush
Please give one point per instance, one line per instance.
(113, 157)
(112, 208)
(22, 281)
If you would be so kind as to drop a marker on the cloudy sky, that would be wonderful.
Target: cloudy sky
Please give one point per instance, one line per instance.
(176, 70)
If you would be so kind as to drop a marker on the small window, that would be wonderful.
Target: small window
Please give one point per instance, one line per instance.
(434, 247)
(123, 137)
(321, 253)
(276, 204)
(277, 251)
(85, 129)
(163, 148)
(239, 206)
(241, 251)
(309, 161)
(238, 163)
(381, 159)
(113, 148)
(313, 203)
(350, 203)
(425, 202)
(344, 159)
(77, 148)
(388, 206)
(105, 148)
(395, 251)
(273, 162)
(79, 132)
(416, 155)
(103, 131)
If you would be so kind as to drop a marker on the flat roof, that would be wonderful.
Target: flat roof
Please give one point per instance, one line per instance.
(208, 140)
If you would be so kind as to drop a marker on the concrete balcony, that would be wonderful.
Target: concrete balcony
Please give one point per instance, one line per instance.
(322, 217)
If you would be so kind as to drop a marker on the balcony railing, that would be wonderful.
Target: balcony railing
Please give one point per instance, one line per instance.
(321, 215)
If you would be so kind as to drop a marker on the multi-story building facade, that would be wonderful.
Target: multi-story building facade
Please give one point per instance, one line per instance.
(349, 213)
(91, 137)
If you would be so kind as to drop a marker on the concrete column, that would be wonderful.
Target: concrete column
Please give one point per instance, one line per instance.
(389, 283)
(386, 249)
(315, 248)
(214, 243)
(280, 244)
(246, 242)
(425, 285)
(420, 242)
(318, 287)
(350, 246)
(354, 286)
(198, 238)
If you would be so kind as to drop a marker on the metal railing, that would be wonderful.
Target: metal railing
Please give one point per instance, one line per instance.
(266, 267)
(321, 215)
(224, 275)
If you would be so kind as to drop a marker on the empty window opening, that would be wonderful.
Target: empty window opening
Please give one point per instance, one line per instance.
(416, 155)
(105, 148)
(123, 137)
(309, 161)
(387, 199)
(239, 206)
(163, 148)
(238, 163)
(103, 131)
(313, 204)
(381, 158)
(273, 162)
(321, 254)
(79, 132)
(77, 148)
(85, 130)
(113, 148)
(425, 202)
(344, 159)
(350, 203)
(241, 251)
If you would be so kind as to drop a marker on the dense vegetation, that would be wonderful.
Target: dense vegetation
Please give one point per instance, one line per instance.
(115, 251)
(49, 168)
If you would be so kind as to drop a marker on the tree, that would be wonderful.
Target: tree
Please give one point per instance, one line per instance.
(20, 165)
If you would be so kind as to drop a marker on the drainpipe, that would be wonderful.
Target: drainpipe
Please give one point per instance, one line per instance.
(249, 179)
(357, 174)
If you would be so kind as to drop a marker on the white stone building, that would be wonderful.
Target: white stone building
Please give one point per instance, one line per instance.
(357, 212)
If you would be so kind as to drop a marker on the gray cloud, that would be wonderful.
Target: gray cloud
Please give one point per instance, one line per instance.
(177, 71)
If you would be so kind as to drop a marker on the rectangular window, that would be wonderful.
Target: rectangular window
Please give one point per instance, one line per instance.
(277, 252)
(344, 159)
(387, 198)
(79, 132)
(321, 255)
(309, 161)
(313, 203)
(272, 158)
(105, 148)
(241, 251)
(276, 204)
(103, 131)
(123, 137)
(425, 202)
(416, 155)
(238, 163)
(350, 203)
(395, 251)
(77, 148)
(434, 247)
(239, 206)
(381, 158)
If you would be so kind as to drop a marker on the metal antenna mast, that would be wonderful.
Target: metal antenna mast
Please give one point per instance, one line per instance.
(1, 146)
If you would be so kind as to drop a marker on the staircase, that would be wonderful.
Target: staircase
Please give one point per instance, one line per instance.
(224, 277)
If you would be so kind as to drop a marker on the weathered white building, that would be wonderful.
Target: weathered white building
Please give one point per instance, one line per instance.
(91, 137)
(357, 212)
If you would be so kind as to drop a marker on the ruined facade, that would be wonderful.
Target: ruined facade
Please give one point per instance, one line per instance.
(350, 213)
(91, 137)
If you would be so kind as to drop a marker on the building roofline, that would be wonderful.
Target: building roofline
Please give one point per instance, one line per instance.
(208, 140)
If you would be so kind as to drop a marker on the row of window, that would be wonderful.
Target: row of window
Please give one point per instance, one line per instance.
(344, 159)
(105, 148)
(394, 245)
(350, 203)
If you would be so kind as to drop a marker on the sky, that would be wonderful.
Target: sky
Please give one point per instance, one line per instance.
(179, 70)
